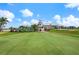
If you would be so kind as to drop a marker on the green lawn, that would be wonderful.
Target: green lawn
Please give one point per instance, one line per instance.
(39, 43)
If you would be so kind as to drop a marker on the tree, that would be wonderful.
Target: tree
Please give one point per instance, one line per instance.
(12, 29)
(3, 21)
(34, 27)
(22, 28)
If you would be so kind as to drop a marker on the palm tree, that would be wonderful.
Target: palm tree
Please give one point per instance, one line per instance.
(3, 21)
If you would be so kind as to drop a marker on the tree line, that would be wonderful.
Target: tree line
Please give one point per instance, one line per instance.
(33, 27)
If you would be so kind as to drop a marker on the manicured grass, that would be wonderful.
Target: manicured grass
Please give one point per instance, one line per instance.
(39, 43)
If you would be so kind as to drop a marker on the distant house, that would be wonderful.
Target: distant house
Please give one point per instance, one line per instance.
(48, 27)
(14, 29)
(42, 27)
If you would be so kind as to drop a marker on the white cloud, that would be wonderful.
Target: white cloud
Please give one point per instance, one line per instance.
(38, 15)
(25, 23)
(19, 19)
(11, 4)
(34, 21)
(44, 22)
(78, 8)
(7, 14)
(58, 19)
(69, 21)
(72, 5)
(26, 12)
(47, 22)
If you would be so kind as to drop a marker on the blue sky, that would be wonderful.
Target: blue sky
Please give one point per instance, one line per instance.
(55, 13)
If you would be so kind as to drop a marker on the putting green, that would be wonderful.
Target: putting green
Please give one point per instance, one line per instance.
(38, 43)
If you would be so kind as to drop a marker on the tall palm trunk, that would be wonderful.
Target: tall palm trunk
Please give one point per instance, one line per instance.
(0, 28)
(3, 21)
